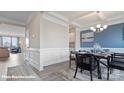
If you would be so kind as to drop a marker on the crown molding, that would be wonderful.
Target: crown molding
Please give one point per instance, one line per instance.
(10, 23)
(55, 18)
(59, 16)
(63, 19)
(76, 24)
(115, 21)
(78, 29)
(4, 20)
(112, 21)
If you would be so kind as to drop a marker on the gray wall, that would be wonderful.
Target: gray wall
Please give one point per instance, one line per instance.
(34, 32)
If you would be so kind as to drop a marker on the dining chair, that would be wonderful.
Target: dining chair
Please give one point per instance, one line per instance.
(85, 62)
(117, 62)
(84, 51)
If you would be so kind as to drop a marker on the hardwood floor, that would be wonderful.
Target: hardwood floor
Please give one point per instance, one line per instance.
(13, 60)
(15, 65)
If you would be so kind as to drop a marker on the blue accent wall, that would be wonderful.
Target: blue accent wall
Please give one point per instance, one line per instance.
(112, 37)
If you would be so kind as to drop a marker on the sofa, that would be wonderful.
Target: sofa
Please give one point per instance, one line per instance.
(4, 52)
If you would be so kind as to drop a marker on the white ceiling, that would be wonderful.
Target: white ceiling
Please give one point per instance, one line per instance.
(12, 23)
(17, 17)
(82, 19)
(89, 18)
(74, 14)
(11, 30)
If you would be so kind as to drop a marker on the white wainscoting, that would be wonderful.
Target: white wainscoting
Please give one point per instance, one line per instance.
(53, 55)
(117, 50)
(39, 58)
(32, 55)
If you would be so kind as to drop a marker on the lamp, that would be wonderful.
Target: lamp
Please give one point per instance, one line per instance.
(98, 28)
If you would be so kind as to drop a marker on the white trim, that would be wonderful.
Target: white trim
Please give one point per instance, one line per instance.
(53, 49)
(55, 14)
(46, 56)
(54, 19)
(77, 42)
(33, 49)
(108, 22)
(116, 21)
(118, 50)
(63, 18)
(76, 24)
(5, 20)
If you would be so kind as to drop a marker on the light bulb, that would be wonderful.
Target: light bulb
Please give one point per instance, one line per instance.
(98, 26)
(94, 30)
(105, 26)
(91, 28)
(101, 29)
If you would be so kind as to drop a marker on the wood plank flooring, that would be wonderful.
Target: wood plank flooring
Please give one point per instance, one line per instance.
(15, 65)
(13, 60)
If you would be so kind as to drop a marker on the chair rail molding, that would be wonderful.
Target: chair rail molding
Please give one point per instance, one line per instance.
(117, 50)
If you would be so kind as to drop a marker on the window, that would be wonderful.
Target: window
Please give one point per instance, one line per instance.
(9, 41)
(0, 41)
(6, 42)
(14, 42)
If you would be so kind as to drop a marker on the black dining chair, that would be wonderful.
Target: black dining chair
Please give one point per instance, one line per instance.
(84, 51)
(117, 62)
(85, 62)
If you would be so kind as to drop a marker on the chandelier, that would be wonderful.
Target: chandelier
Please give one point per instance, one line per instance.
(98, 28)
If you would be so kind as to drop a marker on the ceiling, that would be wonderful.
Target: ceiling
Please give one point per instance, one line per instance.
(15, 17)
(90, 18)
(81, 19)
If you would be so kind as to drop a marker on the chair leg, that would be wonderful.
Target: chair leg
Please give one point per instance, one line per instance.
(75, 72)
(81, 70)
(99, 70)
(70, 64)
(111, 70)
(91, 77)
(108, 73)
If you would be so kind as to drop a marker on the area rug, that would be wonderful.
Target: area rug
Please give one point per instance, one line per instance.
(62, 73)
(67, 74)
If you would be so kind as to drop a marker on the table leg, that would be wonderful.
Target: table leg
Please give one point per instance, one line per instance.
(99, 70)
(70, 62)
(108, 69)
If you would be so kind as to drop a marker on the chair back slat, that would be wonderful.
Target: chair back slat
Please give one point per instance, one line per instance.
(119, 57)
(85, 60)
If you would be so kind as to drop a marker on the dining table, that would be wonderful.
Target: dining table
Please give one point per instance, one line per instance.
(106, 56)
(101, 55)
